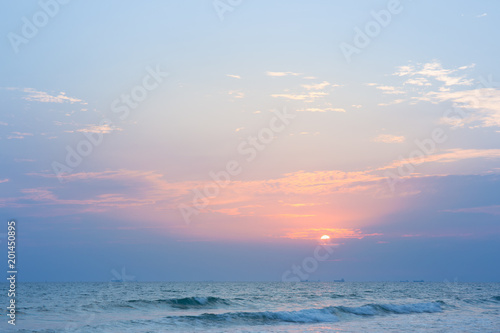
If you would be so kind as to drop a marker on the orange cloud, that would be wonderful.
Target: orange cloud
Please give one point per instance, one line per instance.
(334, 233)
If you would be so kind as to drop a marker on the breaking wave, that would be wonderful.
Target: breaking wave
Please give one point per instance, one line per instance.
(327, 314)
(183, 303)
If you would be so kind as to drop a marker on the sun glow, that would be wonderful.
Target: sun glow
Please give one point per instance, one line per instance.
(325, 237)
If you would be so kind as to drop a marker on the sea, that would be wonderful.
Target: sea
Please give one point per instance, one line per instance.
(254, 307)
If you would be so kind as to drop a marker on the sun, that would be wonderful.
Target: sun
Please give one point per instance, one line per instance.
(325, 237)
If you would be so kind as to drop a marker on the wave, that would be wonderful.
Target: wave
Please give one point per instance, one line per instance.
(327, 314)
(492, 299)
(377, 309)
(345, 296)
(184, 303)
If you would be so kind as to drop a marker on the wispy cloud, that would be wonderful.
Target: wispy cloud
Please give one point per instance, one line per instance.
(493, 210)
(234, 76)
(309, 97)
(104, 129)
(44, 97)
(277, 74)
(291, 216)
(236, 94)
(484, 101)
(431, 82)
(419, 81)
(396, 101)
(308, 204)
(334, 233)
(322, 110)
(319, 86)
(390, 90)
(419, 73)
(18, 135)
(388, 138)
(450, 155)
(100, 201)
(151, 189)
(154, 192)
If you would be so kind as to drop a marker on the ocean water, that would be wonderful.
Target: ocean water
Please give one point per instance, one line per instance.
(255, 307)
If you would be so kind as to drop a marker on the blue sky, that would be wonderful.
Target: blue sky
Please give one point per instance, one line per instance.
(392, 151)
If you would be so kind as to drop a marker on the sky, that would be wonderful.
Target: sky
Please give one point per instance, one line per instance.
(220, 140)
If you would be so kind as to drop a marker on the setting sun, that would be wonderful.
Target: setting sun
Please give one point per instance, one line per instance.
(325, 237)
